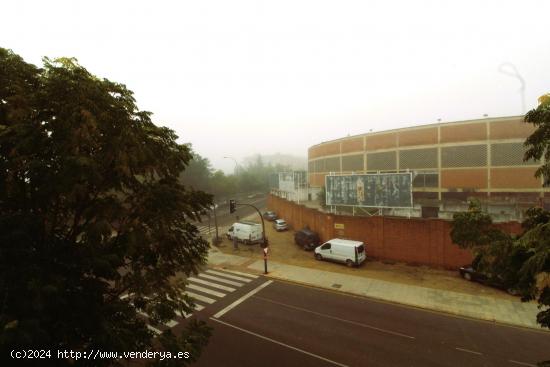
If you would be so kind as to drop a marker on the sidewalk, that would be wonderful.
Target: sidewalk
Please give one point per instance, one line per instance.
(515, 313)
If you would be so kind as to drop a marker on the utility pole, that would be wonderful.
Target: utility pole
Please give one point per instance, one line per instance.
(217, 239)
(233, 204)
(514, 73)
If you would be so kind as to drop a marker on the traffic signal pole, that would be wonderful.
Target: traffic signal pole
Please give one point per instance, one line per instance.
(233, 207)
(216, 223)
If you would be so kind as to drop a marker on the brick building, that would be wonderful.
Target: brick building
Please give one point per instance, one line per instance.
(450, 162)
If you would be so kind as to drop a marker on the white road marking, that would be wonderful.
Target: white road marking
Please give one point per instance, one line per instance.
(241, 273)
(205, 290)
(154, 329)
(213, 285)
(280, 343)
(198, 297)
(171, 323)
(230, 282)
(240, 300)
(142, 313)
(338, 319)
(522, 363)
(186, 315)
(229, 276)
(468, 351)
(183, 314)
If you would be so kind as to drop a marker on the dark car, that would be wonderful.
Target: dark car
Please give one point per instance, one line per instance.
(271, 216)
(469, 273)
(307, 239)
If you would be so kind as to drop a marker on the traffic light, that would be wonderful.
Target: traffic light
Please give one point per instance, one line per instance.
(232, 206)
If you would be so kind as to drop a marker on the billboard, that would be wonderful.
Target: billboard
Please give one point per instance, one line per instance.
(383, 190)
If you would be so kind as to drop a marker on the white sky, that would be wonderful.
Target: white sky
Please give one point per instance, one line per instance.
(238, 77)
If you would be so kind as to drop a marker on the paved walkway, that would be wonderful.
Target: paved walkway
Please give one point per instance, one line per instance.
(515, 313)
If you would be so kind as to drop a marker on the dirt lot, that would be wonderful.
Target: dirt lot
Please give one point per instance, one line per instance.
(283, 249)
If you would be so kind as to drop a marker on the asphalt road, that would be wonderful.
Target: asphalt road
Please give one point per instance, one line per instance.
(283, 324)
(225, 219)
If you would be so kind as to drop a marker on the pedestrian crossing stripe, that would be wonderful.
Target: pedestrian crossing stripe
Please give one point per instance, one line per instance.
(154, 329)
(171, 323)
(205, 290)
(221, 280)
(199, 287)
(210, 284)
(242, 279)
(199, 297)
(241, 273)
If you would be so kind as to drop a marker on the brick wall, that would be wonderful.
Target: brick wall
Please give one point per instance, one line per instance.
(416, 241)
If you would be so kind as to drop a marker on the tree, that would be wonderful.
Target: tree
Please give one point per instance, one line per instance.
(90, 210)
(536, 239)
(495, 252)
(523, 261)
(472, 229)
(198, 173)
(538, 143)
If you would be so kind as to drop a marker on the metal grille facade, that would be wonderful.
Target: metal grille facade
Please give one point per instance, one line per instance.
(320, 165)
(509, 154)
(332, 164)
(383, 161)
(353, 162)
(464, 156)
(451, 160)
(418, 158)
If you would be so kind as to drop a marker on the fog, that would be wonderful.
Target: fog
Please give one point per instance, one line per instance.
(237, 78)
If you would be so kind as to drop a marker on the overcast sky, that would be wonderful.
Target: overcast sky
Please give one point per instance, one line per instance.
(238, 77)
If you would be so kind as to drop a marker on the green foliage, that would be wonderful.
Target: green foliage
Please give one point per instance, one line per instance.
(198, 173)
(472, 229)
(535, 271)
(538, 143)
(522, 263)
(252, 178)
(534, 217)
(90, 209)
(496, 253)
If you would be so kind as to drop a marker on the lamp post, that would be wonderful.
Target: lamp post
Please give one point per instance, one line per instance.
(234, 160)
(503, 68)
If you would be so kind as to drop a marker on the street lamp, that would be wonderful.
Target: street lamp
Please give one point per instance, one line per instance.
(234, 160)
(514, 73)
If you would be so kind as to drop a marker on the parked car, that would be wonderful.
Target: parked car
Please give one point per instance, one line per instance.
(246, 232)
(270, 216)
(351, 253)
(307, 239)
(280, 225)
(469, 273)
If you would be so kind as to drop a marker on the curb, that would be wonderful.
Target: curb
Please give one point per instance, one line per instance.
(270, 275)
(382, 300)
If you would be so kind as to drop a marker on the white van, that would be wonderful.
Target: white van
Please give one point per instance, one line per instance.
(245, 231)
(352, 253)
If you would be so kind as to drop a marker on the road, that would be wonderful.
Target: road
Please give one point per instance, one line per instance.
(225, 219)
(272, 323)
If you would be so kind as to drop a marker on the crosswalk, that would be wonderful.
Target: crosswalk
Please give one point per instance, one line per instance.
(206, 231)
(205, 288)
